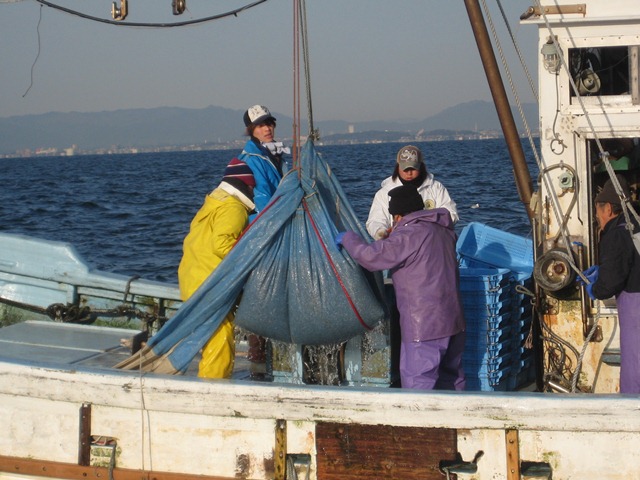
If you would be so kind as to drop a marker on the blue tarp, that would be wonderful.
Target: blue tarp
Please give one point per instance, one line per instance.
(296, 285)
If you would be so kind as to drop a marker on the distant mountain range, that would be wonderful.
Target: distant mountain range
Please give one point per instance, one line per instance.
(166, 127)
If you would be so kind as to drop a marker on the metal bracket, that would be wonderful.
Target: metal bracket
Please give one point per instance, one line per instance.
(119, 13)
(459, 466)
(536, 470)
(294, 459)
(555, 10)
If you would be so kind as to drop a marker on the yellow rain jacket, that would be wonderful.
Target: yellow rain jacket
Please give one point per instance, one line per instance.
(214, 231)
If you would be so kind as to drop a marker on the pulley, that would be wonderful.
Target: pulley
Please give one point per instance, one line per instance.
(119, 12)
(588, 82)
(178, 6)
(553, 272)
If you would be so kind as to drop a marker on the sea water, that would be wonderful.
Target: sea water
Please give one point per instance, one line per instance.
(128, 214)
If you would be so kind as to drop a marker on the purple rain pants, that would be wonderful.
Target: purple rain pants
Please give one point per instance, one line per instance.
(433, 364)
(629, 320)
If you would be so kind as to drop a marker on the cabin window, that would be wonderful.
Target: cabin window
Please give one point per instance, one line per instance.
(624, 156)
(605, 71)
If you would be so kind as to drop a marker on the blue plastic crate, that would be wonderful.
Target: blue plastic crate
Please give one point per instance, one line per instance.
(519, 349)
(521, 303)
(481, 351)
(495, 381)
(522, 373)
(520, 337)
(496, 247)
(486, 385)
(493, 370)
(492, 335)
(477, 298)
(484, 279)
(483, 323)
(521, 324)
(523, 278)
(521, 310)
(481, 311)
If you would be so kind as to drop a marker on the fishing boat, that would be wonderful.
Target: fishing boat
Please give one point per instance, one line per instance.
(68, 413)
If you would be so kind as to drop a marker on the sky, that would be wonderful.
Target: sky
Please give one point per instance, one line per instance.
(369, 59)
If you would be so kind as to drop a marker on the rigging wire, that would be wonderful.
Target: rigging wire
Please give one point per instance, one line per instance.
(518, 51)
(557, 209)
(296, 84)
(313, 134)
(587, 341)
(301, 47)
(230, 13)
(33, 65)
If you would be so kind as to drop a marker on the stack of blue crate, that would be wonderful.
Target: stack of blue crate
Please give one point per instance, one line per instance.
(486, 300)
(498, 316)
(523, 370)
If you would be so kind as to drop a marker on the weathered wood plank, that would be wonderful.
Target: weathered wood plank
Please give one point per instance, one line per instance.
(45, 469)
(382, 451)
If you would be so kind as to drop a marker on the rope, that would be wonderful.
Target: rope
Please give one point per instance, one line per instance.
(296, 84)
(143, 409)
(333, 266)
(313, 133)
(118, 23)
(71, 313)
(576, 373)
(33, 65)
(518, 51)
(128, 287)
(301, 45)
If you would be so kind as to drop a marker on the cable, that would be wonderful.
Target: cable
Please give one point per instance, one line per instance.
(152, 25)
(33, 66)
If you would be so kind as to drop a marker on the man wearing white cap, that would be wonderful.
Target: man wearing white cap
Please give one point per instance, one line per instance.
(263, 154)
(410, 169)
(264, 157)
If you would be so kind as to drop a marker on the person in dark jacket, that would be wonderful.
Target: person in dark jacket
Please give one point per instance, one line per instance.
(420, 253)
(618, 274)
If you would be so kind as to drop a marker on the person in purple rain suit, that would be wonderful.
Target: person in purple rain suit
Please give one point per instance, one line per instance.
(420, 253)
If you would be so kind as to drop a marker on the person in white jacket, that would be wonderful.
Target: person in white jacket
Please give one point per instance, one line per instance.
(409, 170)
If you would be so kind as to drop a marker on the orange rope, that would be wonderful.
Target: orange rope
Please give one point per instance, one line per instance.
(333, 266)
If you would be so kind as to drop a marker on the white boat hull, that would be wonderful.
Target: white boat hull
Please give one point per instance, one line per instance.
(228, 428)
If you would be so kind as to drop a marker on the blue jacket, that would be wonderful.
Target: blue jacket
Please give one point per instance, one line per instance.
(267, 170)
(421, 256)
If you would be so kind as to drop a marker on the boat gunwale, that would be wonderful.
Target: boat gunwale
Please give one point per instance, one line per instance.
(350, 405)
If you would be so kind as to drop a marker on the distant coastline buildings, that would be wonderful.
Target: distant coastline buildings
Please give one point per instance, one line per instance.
(352, 137)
